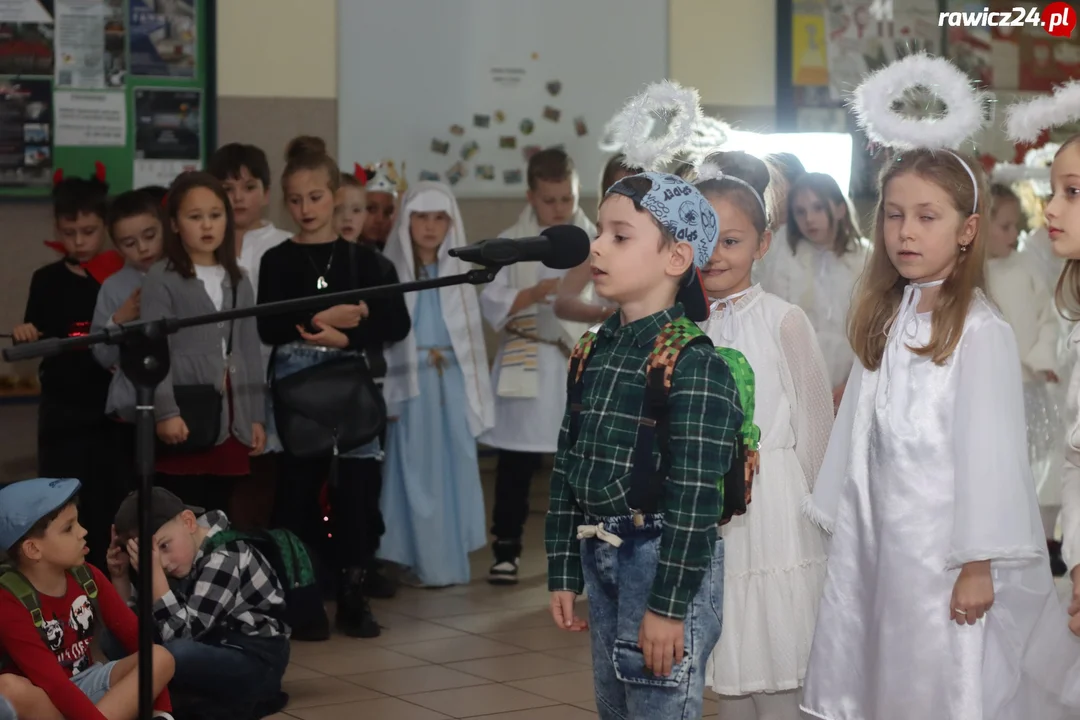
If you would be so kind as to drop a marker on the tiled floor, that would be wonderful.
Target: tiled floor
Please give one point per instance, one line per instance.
(464, 652)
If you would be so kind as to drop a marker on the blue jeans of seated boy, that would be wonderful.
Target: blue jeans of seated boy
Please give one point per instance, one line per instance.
(618, 581)
(237, 671)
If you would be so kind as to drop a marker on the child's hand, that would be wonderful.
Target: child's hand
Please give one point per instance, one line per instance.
(116, 559)
(327, 336)
(973, 593)
(172, 431)
(258, 438)
(562, 611)
(542, 289)
(1050, 376)
(25, 333)
(129, 311)
(661, 642)
(342, 317)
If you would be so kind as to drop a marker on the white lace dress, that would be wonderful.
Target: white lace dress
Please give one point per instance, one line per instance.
(821, 283)
(774, 558)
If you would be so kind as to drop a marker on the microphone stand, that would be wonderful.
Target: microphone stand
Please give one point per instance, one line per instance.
(144, 359)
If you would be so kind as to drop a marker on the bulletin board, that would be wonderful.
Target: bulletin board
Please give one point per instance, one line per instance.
(465, 91)
(129, 84)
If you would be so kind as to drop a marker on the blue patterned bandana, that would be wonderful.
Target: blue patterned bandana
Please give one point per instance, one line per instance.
(685, 213)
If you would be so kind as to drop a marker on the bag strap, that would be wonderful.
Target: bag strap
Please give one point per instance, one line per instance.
(575, 383)
(647, 481)
(743, 373)
(16, 583)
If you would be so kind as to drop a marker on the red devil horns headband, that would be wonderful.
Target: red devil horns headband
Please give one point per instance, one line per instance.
(99, 174)
(361, 174)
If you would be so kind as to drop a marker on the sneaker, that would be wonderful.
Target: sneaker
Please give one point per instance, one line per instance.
(505, 569)
(377, 585)
(354, 616)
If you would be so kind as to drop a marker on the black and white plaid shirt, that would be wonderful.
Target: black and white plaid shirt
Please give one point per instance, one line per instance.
(233, 588)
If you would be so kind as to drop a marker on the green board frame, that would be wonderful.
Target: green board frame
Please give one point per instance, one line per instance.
(78, 161)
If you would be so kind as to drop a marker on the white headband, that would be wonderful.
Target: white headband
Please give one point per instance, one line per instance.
(712, 171)
(974, 181)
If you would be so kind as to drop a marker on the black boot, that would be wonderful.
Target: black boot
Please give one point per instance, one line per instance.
(354, 616)
(376, 584)
(1057, 564)
(505, 569)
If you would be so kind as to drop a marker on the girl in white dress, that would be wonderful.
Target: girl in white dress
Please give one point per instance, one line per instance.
(937, 567)
(818, 267)
(774, 557)
(1023, 297)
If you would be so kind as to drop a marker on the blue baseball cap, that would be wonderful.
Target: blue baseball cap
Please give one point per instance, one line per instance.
(685, 213)
(25, 502)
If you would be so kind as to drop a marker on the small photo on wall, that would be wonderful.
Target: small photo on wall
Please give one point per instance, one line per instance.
(429, 176)
(552, 114)
(485, 172)
(529, 151)
(440, 146)
(512, 177)
(508, 142)
(469, 150)
(455, 173)
(482, 121)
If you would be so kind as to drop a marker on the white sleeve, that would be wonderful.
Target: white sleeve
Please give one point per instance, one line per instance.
(496, 299)
(1070, 475)
(812, 405)
(1043, 355)
(996, 515)
(821, 505)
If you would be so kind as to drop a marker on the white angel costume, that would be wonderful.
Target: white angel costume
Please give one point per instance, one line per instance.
(774, 557)
(439, 389)
(927, 470)
(529, 374)
(1025, 301)
(821, 283)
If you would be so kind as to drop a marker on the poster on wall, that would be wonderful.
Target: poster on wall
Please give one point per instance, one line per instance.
(115, 42)
(163, 37)
(26, 37)
(25, 133)
(810, 63)
(91, 118)
(80, 44)
(168, 134)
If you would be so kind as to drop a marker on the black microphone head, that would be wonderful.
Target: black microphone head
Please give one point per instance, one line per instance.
(569, 246)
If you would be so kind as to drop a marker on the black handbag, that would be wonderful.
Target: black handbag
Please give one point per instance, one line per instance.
(200, 407)
(330, 408)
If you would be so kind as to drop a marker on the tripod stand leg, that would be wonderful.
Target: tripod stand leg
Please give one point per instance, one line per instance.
(145, 361)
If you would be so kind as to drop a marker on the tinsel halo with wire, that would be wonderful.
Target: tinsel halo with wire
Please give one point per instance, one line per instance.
(873, 104)
(630, 131)
(1025, 120)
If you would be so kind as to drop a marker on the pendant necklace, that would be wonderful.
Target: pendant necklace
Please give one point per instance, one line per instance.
(321, 283)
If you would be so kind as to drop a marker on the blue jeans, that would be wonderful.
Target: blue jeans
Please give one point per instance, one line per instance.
(6, 711)
(618, 581)
(294, 358)
(235, 673)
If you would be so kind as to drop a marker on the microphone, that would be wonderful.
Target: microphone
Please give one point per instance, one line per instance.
(560, 247)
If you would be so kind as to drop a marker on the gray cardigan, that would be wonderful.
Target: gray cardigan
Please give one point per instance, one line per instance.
(114, 292)
(196, 354)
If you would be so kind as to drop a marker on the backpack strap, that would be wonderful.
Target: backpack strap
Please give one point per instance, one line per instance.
(575, 382)
(647, 481)
(16, 583)
(739, 480)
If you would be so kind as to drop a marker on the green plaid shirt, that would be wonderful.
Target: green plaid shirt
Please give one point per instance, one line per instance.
(593, 477)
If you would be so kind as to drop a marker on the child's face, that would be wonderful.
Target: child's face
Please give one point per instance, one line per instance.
(175, 541)
(812, 218)
(201, 222)
(736, 250)
(428, 229)
(923, 228)
(83, 237)
(64, 543)
(1063, 210)
(1004, 228)
(139, 239)
(248, 198)
(630, 262)
(380, 216)
(554, 202)
(310, 200)
(350, 212)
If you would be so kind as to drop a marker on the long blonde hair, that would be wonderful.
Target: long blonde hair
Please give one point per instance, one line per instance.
(881, 287)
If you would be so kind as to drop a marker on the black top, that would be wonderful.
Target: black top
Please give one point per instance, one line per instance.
(61, 304)
(290, 271)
